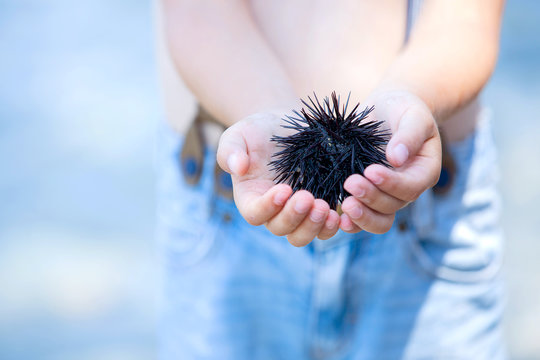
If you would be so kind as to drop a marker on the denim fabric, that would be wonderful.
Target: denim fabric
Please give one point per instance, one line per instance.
(430, 288)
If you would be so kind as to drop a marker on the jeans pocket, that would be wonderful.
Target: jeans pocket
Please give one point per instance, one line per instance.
(453, 263)
(185, 229)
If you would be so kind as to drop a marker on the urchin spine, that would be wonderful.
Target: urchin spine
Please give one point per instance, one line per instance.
(328, 146)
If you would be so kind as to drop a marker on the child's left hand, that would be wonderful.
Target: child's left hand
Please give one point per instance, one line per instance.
(414, 151)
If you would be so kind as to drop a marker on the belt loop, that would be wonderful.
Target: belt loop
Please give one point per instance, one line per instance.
(192, 156)
(448, 169)
(223, 183)
(192, 153)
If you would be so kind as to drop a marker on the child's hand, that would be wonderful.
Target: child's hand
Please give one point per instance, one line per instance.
(244, 151)
(415, 153)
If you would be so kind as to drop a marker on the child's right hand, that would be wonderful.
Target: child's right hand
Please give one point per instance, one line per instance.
(244, 151)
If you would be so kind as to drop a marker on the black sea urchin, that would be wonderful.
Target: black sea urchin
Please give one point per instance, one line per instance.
(328, 147)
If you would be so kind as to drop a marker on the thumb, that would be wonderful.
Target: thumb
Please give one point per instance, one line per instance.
(415, 126)
(232, 154)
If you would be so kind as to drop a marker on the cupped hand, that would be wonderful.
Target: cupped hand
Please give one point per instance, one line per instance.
(244, 151)
(414, 151)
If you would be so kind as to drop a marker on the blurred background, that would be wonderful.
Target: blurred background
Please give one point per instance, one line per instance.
(79, 104)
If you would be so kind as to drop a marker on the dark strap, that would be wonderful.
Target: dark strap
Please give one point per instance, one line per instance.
(413, 9)
(448, 170)
(409, 21)
(192, 156)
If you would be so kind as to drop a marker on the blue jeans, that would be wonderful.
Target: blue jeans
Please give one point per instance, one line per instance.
(430, 288)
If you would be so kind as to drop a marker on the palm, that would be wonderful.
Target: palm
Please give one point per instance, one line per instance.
(256, 133)
(245, 151)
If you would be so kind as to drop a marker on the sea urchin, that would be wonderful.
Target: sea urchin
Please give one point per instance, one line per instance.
(328, 146)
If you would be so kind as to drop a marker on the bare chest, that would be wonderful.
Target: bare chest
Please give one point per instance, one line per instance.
(332, 44)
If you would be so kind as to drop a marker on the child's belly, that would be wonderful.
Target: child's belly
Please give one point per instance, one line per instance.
(342, 45)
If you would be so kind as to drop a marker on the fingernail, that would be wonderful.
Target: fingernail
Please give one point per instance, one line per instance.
(346, 225)
(376, 179)
(401, 154)
(355, 212)
(354, 186)
(316, 216)
(360, 192)
(280, 198)
(232, 163)
(330, 224)
(301, 207)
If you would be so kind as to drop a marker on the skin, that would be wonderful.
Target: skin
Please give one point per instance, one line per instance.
(261, 73)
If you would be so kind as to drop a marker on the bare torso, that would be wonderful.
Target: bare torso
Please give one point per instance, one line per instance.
(341, 45)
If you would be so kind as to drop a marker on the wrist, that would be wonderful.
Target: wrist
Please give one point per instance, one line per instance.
(441, 100)
(395, 100)
(394, 88)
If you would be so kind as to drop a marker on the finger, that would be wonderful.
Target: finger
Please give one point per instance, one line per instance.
(232, 155)
(411, 180)
(331, 226)
(367, 193)
(312, 224)
(258, 209)
(293, 213)
(365, 218)
(414, 127)
(347, 225)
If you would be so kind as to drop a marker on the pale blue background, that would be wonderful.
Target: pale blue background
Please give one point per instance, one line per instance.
(79, 102)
